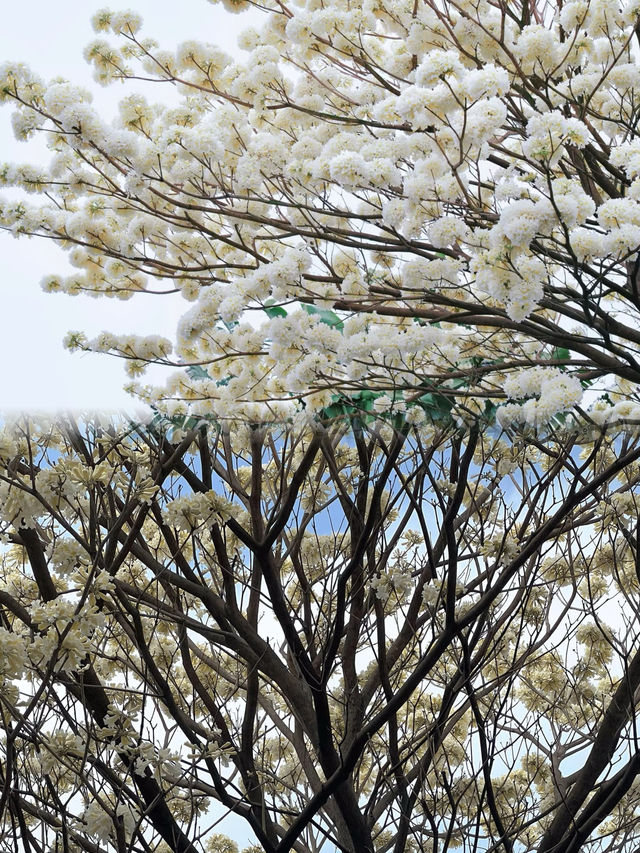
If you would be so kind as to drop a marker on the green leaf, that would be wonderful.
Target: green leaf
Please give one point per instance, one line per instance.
(364, 400)
(490, 409)
(325, 316)
(436, 401)
(196, 371)
(437, 406)
(351, 407)
(335, 410)
(459, 383)
(274, 311)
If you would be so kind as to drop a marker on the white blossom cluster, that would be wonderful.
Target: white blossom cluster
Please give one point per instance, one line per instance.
(540, 393)
(100, 823)
(396, 582)
(470, 161)
(193, 510)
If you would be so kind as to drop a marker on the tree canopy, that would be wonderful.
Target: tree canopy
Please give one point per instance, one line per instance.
(368, 575)
(356, 639)
(385, 197)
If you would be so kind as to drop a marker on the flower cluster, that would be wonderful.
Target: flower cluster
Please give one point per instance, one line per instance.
(193, 510)
(458, 163)
(541, 393)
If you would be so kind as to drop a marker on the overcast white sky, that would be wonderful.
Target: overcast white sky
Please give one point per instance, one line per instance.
(36, 373)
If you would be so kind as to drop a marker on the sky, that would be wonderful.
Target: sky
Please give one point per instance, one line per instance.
(37, 373)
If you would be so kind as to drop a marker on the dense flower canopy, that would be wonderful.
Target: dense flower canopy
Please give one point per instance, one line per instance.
(394, 197)
(380, 592)
(362, 640)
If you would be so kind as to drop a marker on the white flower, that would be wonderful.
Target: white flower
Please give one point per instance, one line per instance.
(626, 156)
(97, 822)
(437, 65)
(13, 654)
(382, 404)
(538, 48)
(548, 132)
(587, 243)
(521, 220)
(485, 82)
(550, 391)
(574, 14)
(126, 22)
(448, 230)
(617, 212)
(571, 201)
(430, 595)
(348, 170)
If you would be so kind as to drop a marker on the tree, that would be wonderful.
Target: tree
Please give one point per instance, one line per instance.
(388, 198)
(400, 437)
(368, 638)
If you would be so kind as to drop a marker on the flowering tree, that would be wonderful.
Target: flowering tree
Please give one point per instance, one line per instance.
(398, 641)
(390, 198)
(360, 592)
